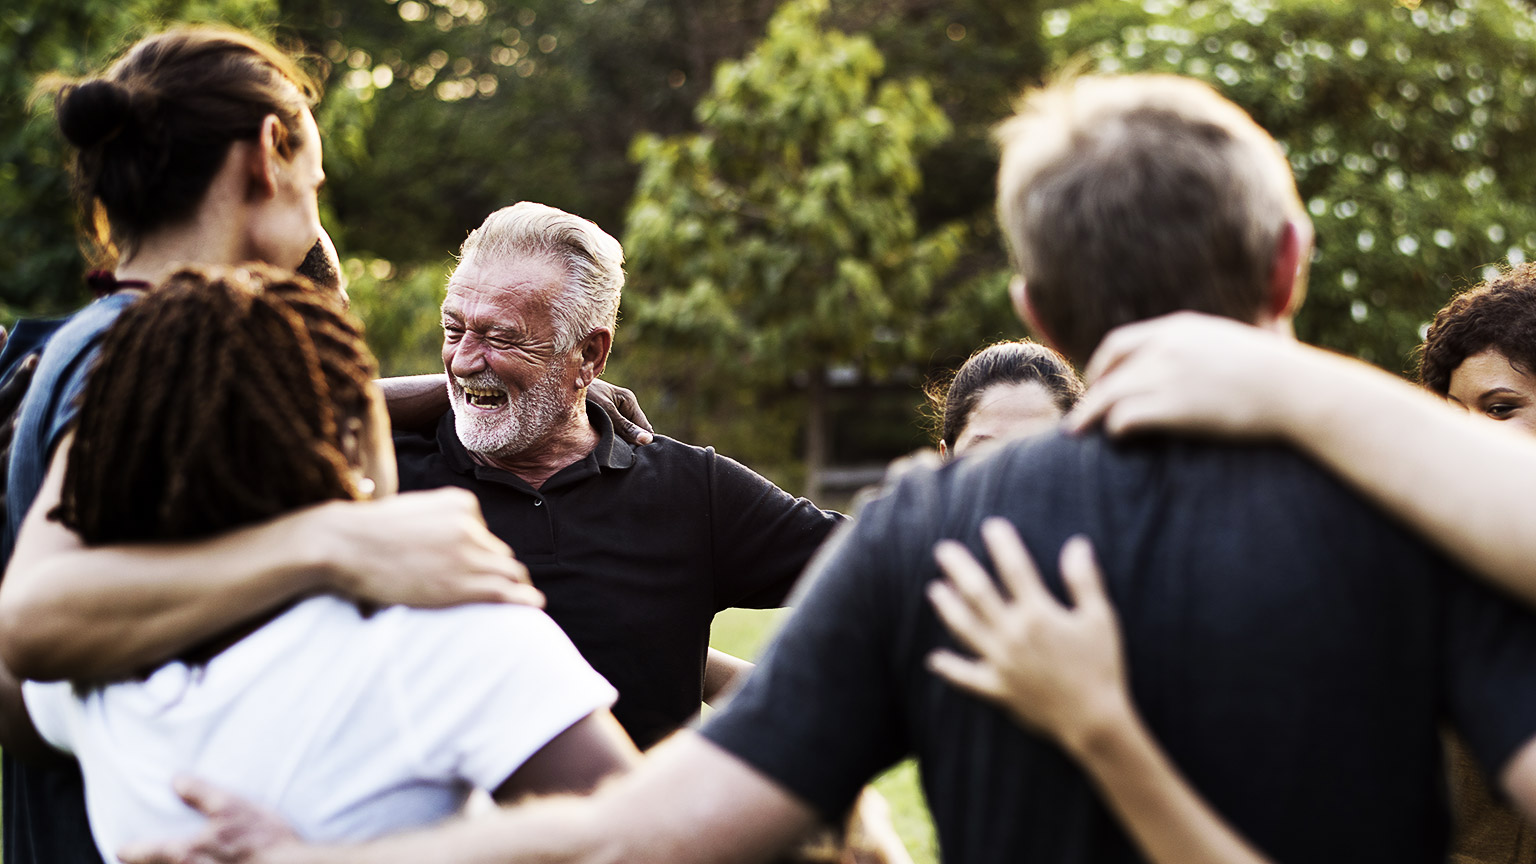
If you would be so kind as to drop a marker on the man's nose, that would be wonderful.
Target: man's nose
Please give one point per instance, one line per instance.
(466, 358)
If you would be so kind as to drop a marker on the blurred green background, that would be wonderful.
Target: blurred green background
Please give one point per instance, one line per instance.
(803, 187)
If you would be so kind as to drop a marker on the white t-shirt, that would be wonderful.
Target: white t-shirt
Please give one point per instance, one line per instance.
(350, 727)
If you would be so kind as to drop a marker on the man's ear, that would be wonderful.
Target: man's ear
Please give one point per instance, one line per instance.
(1018, 292)
(262, 164)
(1287, 285)
(594, 356)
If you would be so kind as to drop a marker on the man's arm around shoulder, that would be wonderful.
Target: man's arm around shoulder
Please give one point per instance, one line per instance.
(689, 802)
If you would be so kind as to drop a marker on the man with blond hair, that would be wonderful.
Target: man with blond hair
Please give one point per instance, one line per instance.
(1293, 649)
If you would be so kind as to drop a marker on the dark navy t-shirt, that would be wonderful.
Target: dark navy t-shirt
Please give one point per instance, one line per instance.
(44, 804)
(1292, 648)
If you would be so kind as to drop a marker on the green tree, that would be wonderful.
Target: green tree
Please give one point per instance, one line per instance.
(40, 260)
(780, 241)
(1408, 131)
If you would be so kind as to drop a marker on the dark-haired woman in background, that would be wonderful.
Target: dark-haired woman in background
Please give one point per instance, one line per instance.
(1479, 353)
(1004, 390)
(196, 147)
(240, 395)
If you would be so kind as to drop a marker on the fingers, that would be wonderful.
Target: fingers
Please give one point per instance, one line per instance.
(494, 589)
(204, 797)
(176, 852)
(633, 433)
(972, 676)
(1085, 579)
(16, 387)
(968, 579)
(623, 409)
(1113, 349)
(958, 615)
(1014, 566)
(1120, 403)
(629, 405)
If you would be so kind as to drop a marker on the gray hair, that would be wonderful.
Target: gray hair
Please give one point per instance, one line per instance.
(592, 259)
(1124, 198)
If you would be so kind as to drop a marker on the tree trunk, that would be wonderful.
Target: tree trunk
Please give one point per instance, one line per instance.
(817, 433)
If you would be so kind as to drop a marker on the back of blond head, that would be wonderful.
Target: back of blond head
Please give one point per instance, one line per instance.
(1124, 198)
(592, 259)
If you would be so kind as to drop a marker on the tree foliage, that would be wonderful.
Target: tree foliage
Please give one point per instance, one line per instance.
(1408, 131)
(40, 261)
(781, 239)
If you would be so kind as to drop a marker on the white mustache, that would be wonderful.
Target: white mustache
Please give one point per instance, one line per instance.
(481, 381)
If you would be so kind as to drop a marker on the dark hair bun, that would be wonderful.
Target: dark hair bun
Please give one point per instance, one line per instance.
(93, 112)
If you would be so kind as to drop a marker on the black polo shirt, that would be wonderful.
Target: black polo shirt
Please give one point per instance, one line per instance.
(636, 549)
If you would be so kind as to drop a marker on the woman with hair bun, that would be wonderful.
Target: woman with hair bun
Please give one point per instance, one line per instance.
(197, 146)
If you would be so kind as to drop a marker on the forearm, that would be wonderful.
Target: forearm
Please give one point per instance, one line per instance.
(1167, 819)
(1462, 482)
(722, 674)
(101, 613)
(415, 401)
(540, 832)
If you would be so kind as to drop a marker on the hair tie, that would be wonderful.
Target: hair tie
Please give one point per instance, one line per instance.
(104, 283)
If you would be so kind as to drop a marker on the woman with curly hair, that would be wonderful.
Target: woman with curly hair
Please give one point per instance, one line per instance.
(1480, 350)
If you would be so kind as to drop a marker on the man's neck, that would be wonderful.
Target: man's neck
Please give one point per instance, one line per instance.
(567, 444)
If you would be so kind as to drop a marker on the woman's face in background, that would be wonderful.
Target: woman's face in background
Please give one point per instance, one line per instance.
(1488, 384)
(1005, 411)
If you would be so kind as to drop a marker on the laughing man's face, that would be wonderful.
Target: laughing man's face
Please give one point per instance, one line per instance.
(508, 379)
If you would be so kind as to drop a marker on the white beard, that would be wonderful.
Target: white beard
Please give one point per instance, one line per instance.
(522, 422)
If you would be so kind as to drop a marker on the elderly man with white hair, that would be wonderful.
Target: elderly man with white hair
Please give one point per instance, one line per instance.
(636, 548)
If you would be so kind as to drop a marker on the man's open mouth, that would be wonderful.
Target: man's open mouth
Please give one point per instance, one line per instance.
(485, 399)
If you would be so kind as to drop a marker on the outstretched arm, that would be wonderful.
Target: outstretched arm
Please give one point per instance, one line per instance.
(689, 802)
(1060, 672)
(91, 613)
(1458, 480)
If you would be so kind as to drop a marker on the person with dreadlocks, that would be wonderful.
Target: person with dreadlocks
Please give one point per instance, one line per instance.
(240, 395)
(197, 146)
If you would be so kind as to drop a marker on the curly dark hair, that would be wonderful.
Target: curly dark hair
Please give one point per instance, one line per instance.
(951, 398)
(220, 399)
(1498, 314)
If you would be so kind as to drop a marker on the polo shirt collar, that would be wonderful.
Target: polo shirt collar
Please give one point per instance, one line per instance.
(611, 452)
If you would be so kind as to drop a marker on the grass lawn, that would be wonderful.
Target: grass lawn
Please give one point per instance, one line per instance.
(744, 632)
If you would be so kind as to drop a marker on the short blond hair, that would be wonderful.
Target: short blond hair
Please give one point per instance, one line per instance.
(1126, 197)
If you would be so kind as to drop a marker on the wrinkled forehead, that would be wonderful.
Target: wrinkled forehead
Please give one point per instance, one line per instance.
(521, 286)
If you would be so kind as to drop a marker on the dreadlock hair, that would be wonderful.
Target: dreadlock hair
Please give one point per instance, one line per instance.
(220, 399)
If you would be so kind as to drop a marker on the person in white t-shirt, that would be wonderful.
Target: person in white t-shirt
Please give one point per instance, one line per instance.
(241, 394)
